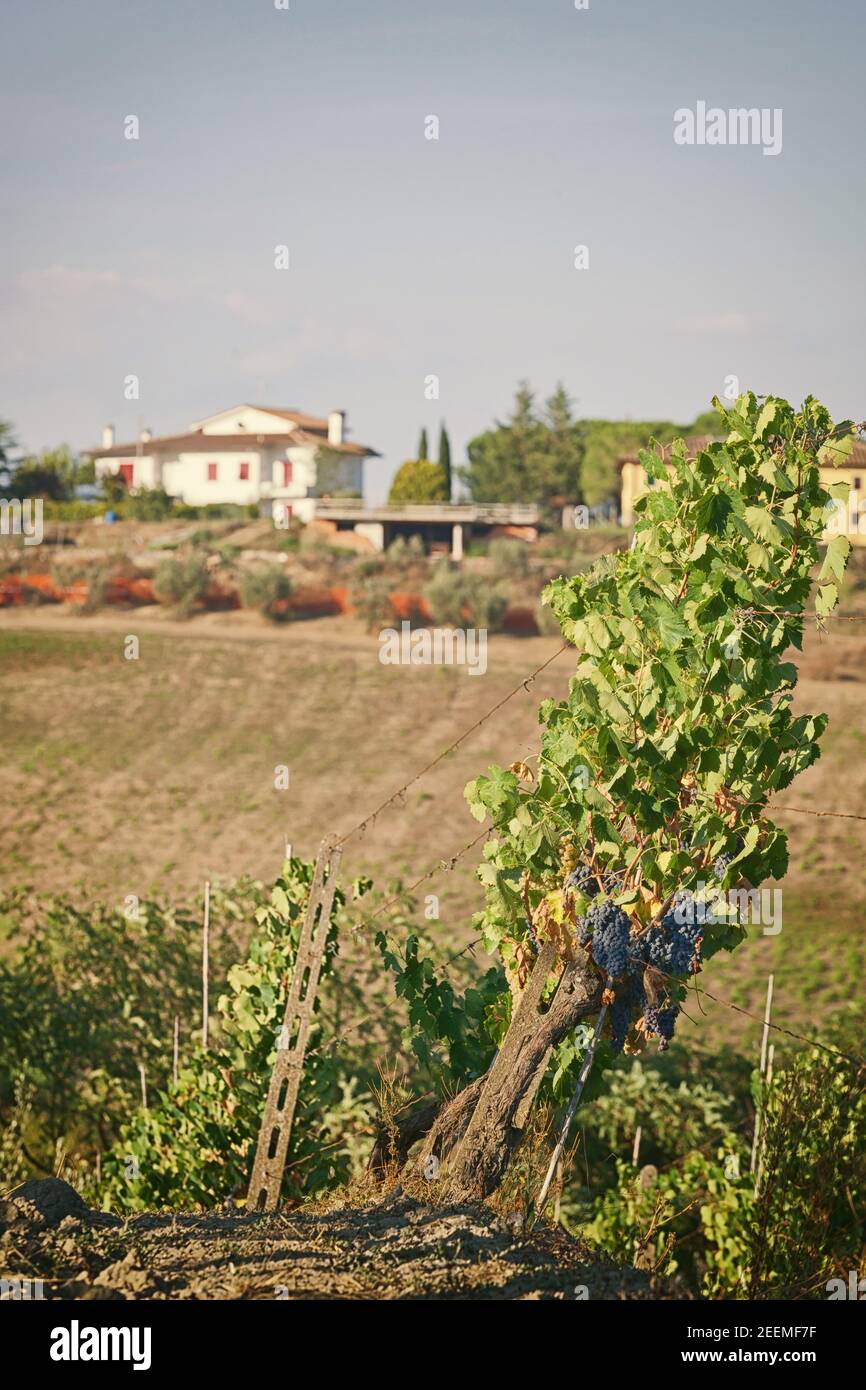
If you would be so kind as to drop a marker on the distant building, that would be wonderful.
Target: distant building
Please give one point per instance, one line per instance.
(444, 527)
(852, 521)
(250, 454)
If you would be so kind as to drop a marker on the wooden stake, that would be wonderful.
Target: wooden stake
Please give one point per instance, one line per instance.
(557, 1201)
(175, 1049)
(282, 1097)
(635, 1153)
(763, 1144)
(541, 1199)
(143, 1075)
(763, 1067)
(766, 1033)
(205, 944)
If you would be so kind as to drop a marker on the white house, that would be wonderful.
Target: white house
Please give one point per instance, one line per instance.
(249, 454)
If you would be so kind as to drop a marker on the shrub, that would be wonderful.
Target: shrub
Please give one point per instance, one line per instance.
(147, 504)
(779, 1233)
(418, 480)
(97, 581)
(87, 996)
(196, 1145)
(217, 511)
(366, 566)
(405, 552)
(72, 511)
(182, 581)
(371, 600)
(268, 589)
(459, 599)
(510, 559)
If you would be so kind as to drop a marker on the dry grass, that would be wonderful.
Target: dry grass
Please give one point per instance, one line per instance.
(128, 777)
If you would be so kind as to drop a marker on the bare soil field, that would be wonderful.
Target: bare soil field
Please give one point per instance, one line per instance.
(149, 776)
(393, 1249)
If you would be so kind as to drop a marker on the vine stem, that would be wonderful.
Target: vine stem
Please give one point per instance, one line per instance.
(541, 1199)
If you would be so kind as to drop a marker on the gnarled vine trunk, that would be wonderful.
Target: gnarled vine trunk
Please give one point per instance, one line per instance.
(496, 1126)
(476, 1132)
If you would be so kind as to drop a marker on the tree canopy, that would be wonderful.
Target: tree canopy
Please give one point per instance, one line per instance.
(54, 474)
(548, 455)
(533, 456)
(445, 456)
(418, 480)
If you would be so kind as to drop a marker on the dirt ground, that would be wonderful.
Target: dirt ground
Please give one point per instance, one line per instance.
(149, 776)
(396, 1248)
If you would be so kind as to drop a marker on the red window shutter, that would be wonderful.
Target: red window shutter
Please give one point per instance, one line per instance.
(244, 472)
(126, 471)
(211, 472)
(287, 473)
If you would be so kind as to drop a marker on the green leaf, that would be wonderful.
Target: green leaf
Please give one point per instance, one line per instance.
(836, 558)
(837, 450)
(671, 627)
(769, 420)
(712, 512)
(826, 599)
(762, 523)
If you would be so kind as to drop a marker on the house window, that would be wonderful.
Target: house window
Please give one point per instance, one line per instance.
(244, 472)
(858, 482)
(126, 470)
(287, 473)
(211, 472)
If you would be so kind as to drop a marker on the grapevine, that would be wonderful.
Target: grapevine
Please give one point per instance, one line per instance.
(678, 718)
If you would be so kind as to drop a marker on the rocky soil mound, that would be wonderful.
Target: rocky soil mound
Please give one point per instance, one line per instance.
(395, 1249)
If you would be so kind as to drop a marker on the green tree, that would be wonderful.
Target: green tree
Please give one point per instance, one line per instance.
(418, 480)
(8, 442)
(114, 488)
(560, 462)
(422, 446)
(499, 460)
(532, 457)
(54, 473)
(708, 422)
(445, 456)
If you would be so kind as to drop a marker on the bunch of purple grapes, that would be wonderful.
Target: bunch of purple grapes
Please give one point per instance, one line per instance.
(583, 880)
(671, 946)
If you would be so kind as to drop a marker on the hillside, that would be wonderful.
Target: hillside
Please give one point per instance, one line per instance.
(167, 766)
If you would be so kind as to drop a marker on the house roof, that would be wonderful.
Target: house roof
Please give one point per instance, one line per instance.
(196, 441)
(348, 446)
(296, 417)
(856, 458)
(312, 422)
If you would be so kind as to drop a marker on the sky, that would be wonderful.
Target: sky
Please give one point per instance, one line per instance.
(411, 258)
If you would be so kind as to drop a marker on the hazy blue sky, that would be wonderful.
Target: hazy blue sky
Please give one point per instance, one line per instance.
(408, 256)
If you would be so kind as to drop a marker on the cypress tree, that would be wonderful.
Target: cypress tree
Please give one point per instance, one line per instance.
(422, 446)
(445, 458)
